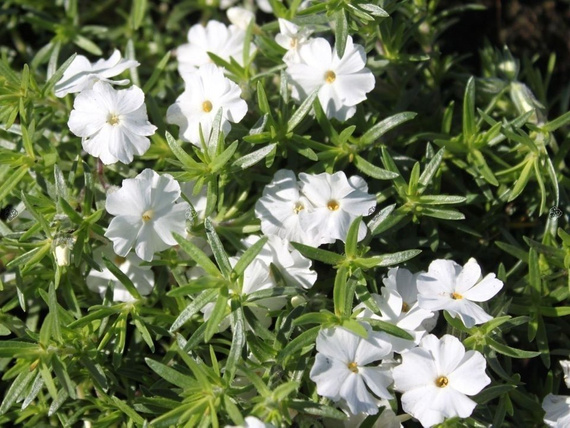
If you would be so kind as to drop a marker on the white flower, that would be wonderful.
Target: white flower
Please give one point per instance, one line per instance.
(557, 408)
(337, 202)
(240, 17)
(342, 371)
(215, 37)
(207, 91)
(280, 207)
(141, 276)
(146, 214)
(393, 310)
(292, 37)
(293, 266)
(342, 83)
(437, 377)
(81, 74)
(405, 284)
(113, 125)
(453, 288)
(387, 419)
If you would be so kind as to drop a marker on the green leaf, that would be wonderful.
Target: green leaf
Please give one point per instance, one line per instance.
(127, 410)
(123, 278)
(508, 351)
(302, 111)
(248, 256)
(218, 249)
(170, 375)
(56, 77)
(16, 390)
(197, 255)
(390, 329)
(469, 123)
(88, 45)
(441, 199)
(157, 70)
(218, 314)
(554, 124)
(444, 214)
(254, 157)
(341, 32)
(238, 341)
(374, 133)
(534, 273)
(12, 181)
(522, 181)
(430, 170)
(305, 339)
(40, 218)
(137, 13)
(372, 170)
(180, 153)
(198, 303)
(313, 253)
(350, 247)
(339, 291)
(395, 258)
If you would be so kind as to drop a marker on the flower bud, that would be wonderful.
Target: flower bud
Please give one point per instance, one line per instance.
(524, 101)
(61, 253)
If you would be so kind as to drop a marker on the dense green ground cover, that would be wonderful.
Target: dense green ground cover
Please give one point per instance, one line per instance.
(463, 163)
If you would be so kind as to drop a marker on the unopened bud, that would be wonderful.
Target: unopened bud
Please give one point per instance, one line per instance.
(297, 301)
(62, 255)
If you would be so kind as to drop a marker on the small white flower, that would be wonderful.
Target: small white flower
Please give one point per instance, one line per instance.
(342, 371)
(437, 377)
(113, 125)
(240, 17)
(146, 214)
(141, 276)
(337, 202)
(393, 310)
(557, 408)
(453, 288)
(293, 266)
(280, 207)
(81, 74)
(342, 83)
(405, 284)
(292, 37)
(215, 37)
(207, 91)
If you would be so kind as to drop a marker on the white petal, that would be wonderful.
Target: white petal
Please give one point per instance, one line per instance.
(123, 231)
(357, 397)
(378, 380)
(469, 377)
(329, 375)
(485, 289)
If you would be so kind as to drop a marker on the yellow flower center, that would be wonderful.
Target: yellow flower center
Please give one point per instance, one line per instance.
(293, 43)
(353, 367)
(405, 307)
(113, 119)
(456, 296)
(298, 207)
(148, 215)
(442, 381)
(120, 260)
(330, 77)
(207, 106)
(333, 205)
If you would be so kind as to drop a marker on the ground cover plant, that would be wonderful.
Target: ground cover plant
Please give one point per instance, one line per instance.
(279, 213)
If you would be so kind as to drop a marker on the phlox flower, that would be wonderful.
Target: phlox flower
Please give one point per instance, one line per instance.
(342, 83)
(566, 370)
(453, 288)
(207, 91)
(342, 368)
(146, 214)
(113, 125)
(387, 419)
(215, 37)
(82, 74)
(292, 37)
(437, 377)
(240, 17)
(280, 208)
(141, 276)
(292, 265)
(394, 311)
(251, 422)
(557, 408)
(405, 284)
(337, 201)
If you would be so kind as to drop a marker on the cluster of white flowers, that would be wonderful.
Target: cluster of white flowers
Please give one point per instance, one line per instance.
(314, 65)
(427, 366)
(317, 209)
(113, 124)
